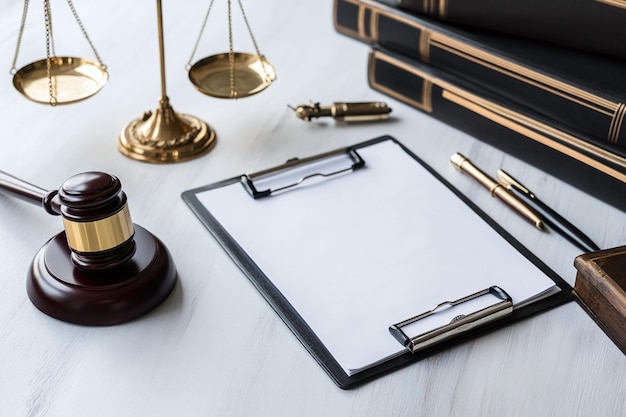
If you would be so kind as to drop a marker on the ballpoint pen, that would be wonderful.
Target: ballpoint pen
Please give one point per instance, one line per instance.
(550, 217)
(496, 189)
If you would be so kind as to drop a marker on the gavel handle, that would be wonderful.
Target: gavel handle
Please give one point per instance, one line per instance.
(23, 190)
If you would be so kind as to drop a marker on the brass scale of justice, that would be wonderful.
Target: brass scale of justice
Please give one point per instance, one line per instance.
(161, 136)
(165, 136)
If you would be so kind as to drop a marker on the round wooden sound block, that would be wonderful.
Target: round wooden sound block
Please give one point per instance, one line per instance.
(113, 296)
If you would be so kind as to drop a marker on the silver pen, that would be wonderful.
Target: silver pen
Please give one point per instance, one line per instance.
(548, 215)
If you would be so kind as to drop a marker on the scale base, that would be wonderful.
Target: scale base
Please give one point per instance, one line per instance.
(59, 289)
(166, 136)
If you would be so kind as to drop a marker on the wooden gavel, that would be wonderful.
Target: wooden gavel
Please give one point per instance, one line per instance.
(102, 269)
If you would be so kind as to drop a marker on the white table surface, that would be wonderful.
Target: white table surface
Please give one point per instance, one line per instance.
(215, 347)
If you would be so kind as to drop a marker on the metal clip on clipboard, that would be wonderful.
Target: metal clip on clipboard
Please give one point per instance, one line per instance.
(297, 171)
(484, 310)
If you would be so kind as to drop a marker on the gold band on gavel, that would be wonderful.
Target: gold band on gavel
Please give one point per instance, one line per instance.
(101, 234)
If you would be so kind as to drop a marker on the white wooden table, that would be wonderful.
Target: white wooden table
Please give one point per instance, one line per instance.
(215, 347)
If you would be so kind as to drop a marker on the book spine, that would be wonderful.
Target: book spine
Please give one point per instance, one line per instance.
(593, 169)
(585, 111)
(590, 25)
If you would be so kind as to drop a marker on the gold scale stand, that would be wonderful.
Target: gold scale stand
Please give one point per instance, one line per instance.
(162, 136)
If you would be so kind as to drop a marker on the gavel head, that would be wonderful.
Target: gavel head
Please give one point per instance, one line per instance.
(97, 222)
(102, 269)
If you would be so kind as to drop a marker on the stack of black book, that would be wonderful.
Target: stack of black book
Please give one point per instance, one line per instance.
(543, 80)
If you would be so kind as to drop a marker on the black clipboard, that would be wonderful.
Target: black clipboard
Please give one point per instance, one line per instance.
(415, 349)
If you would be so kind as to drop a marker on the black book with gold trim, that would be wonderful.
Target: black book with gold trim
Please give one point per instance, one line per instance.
(599, 170)
(595, 26)
(584, 92)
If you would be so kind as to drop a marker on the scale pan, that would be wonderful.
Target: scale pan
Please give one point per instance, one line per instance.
(252, 74)
(73, 79)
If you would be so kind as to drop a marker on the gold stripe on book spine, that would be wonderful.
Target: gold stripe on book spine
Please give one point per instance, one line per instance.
(425, 104)
(361, 24)
(573, 94)
(559, 134)
(425, 6)
(505, 117)
(616, 124)
(500, 64)
(492, 112)
(443, 8)
(343, 29)
(602, 109)
(524, 74)
(374, 27)
(615, 3)
(424, 45)
(429, 39)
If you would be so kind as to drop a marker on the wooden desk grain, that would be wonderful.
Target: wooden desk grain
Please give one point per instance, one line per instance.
(215, 347)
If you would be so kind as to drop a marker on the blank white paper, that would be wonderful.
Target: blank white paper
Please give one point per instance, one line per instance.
(359, 252)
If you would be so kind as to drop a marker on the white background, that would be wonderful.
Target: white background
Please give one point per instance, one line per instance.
(215, 347)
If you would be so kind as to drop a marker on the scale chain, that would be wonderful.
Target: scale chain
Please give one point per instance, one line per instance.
(256, 47)
(195, 47)
(50, 47)
(231, 53)
(82, 28)
(232, 58)
(49, 10)
(49, 22)
(47, 19)
(19, 38)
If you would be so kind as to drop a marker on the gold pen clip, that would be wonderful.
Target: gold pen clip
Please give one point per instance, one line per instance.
(497, 189)
(507, 180)
(347, 112)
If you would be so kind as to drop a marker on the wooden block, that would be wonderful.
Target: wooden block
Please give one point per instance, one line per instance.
(600, 289)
